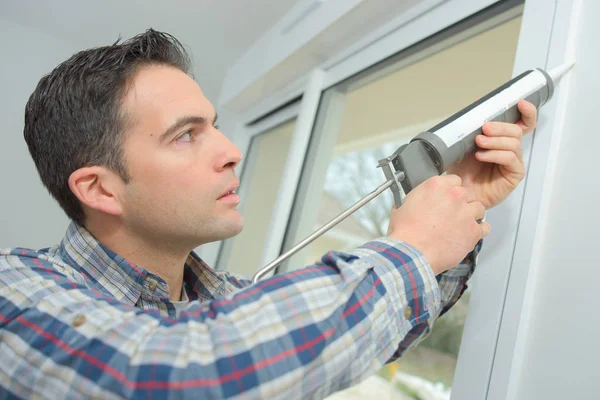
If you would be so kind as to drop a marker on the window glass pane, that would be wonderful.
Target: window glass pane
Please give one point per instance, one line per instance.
(259, 186)
(366, 120)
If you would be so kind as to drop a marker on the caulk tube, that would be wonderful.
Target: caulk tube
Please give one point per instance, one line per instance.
(436, 150)
(453, 138)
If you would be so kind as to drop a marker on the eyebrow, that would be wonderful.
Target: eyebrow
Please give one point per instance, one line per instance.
(181, 122)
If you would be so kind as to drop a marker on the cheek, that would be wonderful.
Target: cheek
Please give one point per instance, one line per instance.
(183, 173)
(175, 178)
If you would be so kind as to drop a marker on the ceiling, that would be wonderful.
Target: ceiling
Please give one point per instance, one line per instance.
(216, 31)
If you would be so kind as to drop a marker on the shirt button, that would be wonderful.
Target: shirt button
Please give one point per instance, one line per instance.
(78, 320)
(407, 312)
(152, 284)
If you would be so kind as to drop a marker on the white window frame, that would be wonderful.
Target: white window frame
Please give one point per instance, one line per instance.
(293, 166)
(490, 356)
(548, 47)
(244, 133)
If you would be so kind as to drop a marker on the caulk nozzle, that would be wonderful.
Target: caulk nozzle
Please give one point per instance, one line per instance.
(559, 71)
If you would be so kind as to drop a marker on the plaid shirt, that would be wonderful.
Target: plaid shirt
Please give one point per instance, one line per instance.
(78, 320)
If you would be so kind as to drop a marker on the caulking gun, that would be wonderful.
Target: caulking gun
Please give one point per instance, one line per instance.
(433, 152)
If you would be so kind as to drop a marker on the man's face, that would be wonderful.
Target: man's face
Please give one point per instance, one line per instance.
(181, 166)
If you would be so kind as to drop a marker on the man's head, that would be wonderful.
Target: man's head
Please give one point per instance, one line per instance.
(121, 134)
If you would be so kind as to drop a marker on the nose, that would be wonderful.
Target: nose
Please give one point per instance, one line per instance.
(229, 155)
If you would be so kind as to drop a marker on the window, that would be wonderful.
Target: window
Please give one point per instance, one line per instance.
(259, 185)
(366, 118)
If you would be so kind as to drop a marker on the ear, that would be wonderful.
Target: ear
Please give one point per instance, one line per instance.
(98, 188)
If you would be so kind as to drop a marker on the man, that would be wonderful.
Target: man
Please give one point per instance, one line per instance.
(128, 145)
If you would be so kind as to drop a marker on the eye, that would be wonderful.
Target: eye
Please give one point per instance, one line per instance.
(185, 137)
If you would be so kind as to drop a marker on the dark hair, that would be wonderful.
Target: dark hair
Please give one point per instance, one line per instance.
(74, 117)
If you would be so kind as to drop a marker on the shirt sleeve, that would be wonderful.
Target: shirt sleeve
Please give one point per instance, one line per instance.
(452, 284)
(303, 334)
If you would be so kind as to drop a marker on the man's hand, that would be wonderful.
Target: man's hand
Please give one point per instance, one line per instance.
(494, 171)
(439, 218)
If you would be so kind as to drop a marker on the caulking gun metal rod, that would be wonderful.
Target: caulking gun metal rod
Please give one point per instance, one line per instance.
(262, 272)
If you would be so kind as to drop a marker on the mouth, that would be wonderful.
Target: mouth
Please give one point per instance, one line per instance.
(230, 191)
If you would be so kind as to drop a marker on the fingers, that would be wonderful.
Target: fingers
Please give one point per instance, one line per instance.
(500, 143)
(443, 181)
(485, 229)
(509, 159)
(525, 125)
(458, 190)
(470, 193)
(477, 210)
(452, 179)
(528, 116)
(495, 129)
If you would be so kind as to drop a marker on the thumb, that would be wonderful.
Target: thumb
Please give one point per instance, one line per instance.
(485, 229)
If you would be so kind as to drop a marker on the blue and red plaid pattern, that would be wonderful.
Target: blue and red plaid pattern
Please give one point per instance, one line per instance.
(79, 321)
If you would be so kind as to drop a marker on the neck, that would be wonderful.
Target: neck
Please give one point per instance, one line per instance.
(158, 257)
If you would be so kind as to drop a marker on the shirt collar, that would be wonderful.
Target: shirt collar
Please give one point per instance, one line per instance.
(127, 282)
